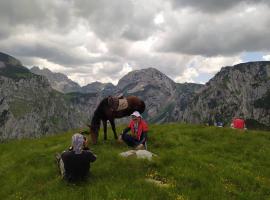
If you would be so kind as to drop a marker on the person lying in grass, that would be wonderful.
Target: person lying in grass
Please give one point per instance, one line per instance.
(139, 129)
(74, 163)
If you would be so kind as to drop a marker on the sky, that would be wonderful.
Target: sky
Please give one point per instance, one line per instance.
(188, 40)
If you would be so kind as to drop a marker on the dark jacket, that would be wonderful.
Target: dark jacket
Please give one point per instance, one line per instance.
(77, 165)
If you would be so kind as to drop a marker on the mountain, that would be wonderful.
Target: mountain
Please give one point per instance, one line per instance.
(157, 90)
(29, 107)
(62, 83)
(58, 81)
(242, 90)
(8, 60)
(105, 89)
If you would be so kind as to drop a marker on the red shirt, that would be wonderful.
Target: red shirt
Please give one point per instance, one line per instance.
(142, 127)
(239, 123)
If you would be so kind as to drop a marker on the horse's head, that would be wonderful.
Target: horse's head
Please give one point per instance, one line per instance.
(94, 133)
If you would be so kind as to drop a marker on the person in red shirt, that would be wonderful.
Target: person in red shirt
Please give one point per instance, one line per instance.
(139, 129)
(238, 123)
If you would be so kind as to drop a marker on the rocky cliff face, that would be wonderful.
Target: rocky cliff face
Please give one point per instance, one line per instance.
(62, 83)
(156, 89)
(58, 81)
(239, 91)
(104, 89)
(29, 107)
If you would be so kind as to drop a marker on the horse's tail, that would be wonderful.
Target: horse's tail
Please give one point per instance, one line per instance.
(142, 107)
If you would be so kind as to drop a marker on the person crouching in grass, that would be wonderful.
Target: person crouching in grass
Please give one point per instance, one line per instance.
(139, 129)
(74, 163)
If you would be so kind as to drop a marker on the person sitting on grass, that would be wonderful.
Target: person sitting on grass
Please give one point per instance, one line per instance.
(139, 129)
(74, 163)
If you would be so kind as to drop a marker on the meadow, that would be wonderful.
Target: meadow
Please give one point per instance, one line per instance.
(193, 162)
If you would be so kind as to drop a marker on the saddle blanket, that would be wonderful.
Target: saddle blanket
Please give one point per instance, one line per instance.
(118, 104)
(123, 104)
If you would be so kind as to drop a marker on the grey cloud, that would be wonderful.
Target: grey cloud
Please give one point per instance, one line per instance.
(213, 6)
(38, 14)
(227, 34)
(24, 11)
(119, 18)
(210, 27)
(171, 64)
(56, 54)
(135, 32)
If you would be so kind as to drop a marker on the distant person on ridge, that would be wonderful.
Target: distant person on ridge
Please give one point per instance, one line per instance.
(74, 164)
(139, 129)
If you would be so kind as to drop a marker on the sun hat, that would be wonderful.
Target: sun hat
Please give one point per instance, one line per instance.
(136, 114)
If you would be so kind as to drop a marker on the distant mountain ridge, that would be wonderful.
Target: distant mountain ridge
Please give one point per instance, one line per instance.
(169, 101)
(58, 81)
(62, 83)
(30, 107)
(239, 91)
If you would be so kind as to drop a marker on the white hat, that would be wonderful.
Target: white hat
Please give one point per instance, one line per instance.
(136, 114)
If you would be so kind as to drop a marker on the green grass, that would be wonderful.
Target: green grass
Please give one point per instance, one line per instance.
(16, 72)
(195, 162)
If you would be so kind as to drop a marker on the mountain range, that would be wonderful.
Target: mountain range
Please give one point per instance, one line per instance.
(62, 83)
(39, 102)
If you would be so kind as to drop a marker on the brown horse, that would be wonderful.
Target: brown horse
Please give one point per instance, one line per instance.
(105, 112)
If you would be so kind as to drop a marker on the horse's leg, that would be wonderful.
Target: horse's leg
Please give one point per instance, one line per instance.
(105, 129)
(113, 128)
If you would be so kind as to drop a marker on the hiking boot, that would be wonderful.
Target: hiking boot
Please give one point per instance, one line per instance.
(140, 147)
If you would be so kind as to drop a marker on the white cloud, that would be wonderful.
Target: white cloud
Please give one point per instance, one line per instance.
(242, 28)
(126, 69)
(188, 76)
(159, 19)
(266, 57)
(211, 65)
(101, 41)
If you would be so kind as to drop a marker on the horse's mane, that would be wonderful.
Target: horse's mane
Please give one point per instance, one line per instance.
(102, 104)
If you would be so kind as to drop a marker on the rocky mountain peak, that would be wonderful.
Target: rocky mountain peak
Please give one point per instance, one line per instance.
(240, 90)
(140, 79)
(7, 59)
(58, 81)
(29, 107)
(259, 69)
(97, 87)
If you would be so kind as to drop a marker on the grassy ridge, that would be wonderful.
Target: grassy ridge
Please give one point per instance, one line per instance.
(193, 162)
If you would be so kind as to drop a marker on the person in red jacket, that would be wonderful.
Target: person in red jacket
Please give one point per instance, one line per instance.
(238, 123)
(139, 129)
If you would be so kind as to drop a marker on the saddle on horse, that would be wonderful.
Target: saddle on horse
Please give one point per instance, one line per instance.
(117, 103)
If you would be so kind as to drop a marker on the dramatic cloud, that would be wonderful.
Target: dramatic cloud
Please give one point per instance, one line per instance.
(103, 40)
(213, 6)
(240, 29)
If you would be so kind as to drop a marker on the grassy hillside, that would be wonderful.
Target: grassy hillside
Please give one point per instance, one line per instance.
(193, 162)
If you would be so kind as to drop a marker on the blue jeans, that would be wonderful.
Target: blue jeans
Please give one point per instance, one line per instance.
(131, 141)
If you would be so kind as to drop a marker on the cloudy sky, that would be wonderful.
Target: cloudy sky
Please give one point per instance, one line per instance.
(188, 40)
